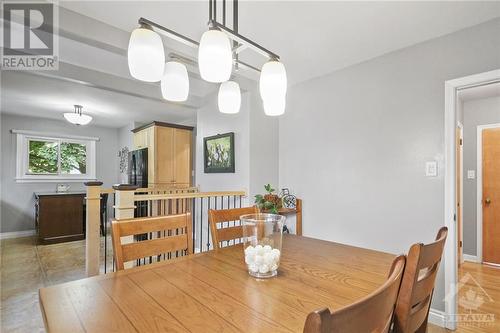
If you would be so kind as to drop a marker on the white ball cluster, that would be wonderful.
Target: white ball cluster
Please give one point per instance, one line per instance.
(262, 259)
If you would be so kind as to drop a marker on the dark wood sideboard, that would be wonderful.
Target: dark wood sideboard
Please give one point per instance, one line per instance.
(59, 217)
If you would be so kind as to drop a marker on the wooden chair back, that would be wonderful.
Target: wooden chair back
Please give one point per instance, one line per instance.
(166, 234)
(371, 314)
(229, 228)
(417, 287)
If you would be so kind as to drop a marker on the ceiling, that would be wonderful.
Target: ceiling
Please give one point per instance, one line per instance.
(480, 92)
(312, 38)
(326, 36)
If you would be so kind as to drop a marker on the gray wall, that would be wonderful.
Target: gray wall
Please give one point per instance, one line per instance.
(476, 112)
(17, 201)
(354, 143)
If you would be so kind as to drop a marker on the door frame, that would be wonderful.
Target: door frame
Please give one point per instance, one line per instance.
(460, 257)
(479, 184)
(451, 88)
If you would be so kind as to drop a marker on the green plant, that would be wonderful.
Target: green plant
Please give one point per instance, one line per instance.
(268, 202)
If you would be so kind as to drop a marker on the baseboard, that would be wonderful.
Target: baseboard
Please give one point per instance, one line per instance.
(17, 234)
(468, 257)
(436, 317)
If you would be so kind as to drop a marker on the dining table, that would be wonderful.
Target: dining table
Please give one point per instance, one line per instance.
(213, 292)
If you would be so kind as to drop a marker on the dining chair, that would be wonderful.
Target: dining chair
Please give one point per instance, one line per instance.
(228, 232)
(417, 287)
(167, 235)
(371, 314)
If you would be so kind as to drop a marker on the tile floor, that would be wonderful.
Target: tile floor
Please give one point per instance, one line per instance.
(26, 267)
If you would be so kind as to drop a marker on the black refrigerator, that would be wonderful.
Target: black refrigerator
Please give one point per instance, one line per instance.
(138, 167)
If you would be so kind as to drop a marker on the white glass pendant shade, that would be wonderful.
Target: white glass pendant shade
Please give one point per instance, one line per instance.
(77, 119)
(273, 81)
(215, 57)
(175, 82)
(274, 106)
(229, 98)
(146, 56)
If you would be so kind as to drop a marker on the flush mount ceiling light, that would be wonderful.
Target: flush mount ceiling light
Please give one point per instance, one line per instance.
(175, 82)
(218, 53)
(229, 98)
(77, 117)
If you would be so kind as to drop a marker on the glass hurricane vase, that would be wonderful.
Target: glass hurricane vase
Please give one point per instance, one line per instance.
(262, 238)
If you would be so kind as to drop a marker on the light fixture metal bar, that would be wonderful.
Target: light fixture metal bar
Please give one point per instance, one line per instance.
(170, 33)
(243, 40)
(247, 66)
(239, 47)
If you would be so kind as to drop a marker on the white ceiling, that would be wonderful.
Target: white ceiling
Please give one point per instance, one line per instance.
(312, 38)
(480, 92)
(50, 98)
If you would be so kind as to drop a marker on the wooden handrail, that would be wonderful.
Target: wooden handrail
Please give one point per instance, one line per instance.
(145, 197)
(155, 189)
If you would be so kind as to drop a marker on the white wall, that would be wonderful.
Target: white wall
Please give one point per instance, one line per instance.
(125, 139)
(476, 112)
(264, 148)
(353, 143)
(211, 122)
(256, 145)
(17, 200)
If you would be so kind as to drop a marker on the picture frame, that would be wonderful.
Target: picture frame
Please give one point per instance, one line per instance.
(218, 153)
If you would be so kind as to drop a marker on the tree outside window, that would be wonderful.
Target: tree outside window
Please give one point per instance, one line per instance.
(56, 157)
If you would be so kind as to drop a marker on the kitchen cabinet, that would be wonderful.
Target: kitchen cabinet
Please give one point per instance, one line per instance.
(169, 153)
(59, 217)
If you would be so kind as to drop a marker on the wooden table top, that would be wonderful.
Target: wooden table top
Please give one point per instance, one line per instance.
(212, 291)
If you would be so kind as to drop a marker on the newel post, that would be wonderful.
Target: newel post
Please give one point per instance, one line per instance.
(92, 228)
(124, 208)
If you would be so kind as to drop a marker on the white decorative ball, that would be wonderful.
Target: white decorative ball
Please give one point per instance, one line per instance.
(267, 248)
(253, 268)
(263, 269)
(250, 259)
(268, 258)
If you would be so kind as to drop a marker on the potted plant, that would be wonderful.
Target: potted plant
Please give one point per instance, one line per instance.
(269, 202)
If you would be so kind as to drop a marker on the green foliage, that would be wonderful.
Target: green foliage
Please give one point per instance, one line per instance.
(43, 157)
(73, 158)
(262, 202)
(269, 189)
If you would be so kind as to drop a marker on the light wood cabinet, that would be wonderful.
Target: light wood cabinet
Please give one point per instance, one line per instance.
(169, 153)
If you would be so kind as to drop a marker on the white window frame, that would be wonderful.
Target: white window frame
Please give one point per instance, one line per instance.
(22, 159)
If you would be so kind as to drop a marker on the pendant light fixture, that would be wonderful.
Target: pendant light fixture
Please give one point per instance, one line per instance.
(215, 57)
(146, 56)
(273, 81)
(274, 106)
(77, 117)
(229, 98)
(218, 52)
(175, 82)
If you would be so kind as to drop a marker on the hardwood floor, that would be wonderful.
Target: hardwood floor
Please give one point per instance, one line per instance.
(26, 267)
(479, 300)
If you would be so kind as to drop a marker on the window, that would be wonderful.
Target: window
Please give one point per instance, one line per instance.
(59, 158)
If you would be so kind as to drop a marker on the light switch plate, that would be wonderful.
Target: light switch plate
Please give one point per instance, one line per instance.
(471, 174)
(431, 169)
